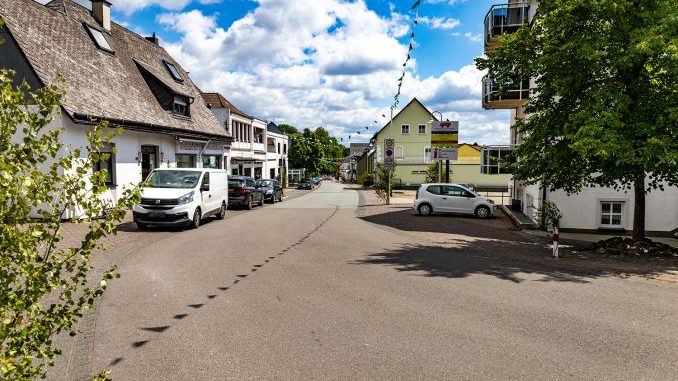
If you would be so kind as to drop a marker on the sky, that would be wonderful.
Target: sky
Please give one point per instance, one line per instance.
(329, 63)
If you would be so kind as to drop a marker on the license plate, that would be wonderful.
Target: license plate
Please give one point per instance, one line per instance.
(156, 214)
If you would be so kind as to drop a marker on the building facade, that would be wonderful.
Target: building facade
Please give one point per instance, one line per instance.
(594, 208)
(277, 145)
(109, 73)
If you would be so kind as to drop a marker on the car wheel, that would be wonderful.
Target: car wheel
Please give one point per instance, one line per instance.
(482, 212)
(425, 209)
(250, 203)
(222, 212)
(195, 223)
(273, 199)
(261, 202)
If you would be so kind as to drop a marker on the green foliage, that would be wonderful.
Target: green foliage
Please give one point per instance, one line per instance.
(548, 215)
(44, 284)
(432, 173)
(287, 129)
(366, 179)
(604, 108)
(381, 180)
(316, 151)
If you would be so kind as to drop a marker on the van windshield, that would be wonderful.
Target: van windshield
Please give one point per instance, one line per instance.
(173, 179)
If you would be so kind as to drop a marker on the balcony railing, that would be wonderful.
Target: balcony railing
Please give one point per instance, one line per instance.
(503, 19)
(493, 98)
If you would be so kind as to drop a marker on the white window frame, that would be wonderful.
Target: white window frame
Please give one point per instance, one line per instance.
(428, 159)
(402, 153)
(611, 213)
(419, 129)
(402, 129)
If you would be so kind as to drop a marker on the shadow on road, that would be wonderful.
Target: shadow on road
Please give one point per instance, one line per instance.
(476, 246)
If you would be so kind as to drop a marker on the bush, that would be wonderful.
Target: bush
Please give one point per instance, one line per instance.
(382, 179)
(366, 179)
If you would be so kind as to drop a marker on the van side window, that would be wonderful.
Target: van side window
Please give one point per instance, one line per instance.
(206, 180)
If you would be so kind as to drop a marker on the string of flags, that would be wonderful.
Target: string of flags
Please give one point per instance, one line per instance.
(396, 99)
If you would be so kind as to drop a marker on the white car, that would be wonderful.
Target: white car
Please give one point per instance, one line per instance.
(452, 198)
(182, 197)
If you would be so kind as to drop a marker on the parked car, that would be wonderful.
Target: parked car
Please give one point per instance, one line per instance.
(175, 197)
(452, 198)
(272, 190)
(316, 180)
(242, 191)
(305, 184)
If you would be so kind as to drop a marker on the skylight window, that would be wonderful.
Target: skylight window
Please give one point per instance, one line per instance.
(173, 71)
(99, 39)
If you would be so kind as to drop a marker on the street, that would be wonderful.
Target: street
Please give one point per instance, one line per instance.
(308, 290)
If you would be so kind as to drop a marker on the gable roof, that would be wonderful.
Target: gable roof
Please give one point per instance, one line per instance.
(411, 102)
(98, 84)
(216, 100)
(272, 127)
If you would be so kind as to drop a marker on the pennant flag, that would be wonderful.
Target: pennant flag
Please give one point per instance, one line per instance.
(408, 57)
(416, 4)
(416, 21)
(412, 35)
(411, 46)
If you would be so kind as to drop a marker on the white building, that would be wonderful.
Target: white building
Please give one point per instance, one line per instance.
(255, 151)
(594, 208)
(110, 73)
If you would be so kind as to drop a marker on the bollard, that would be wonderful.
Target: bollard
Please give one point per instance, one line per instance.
(556, 240)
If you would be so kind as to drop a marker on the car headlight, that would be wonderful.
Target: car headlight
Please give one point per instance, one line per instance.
(490, 201)
(185, 199)
(269, 191)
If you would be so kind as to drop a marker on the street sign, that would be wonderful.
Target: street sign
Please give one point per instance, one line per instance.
(389, 153)
(445, 140)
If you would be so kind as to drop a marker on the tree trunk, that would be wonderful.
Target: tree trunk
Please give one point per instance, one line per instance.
(639, 208)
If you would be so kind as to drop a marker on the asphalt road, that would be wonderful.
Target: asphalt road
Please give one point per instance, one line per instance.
(305, 290)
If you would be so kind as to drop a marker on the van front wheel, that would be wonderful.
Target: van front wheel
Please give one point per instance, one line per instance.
(195, 223)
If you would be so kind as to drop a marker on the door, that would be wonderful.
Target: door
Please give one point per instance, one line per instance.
(457, 199)
(209, 202)
(437, 200)
(149, 160)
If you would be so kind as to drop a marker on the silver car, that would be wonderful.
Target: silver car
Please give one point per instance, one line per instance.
(452, 198)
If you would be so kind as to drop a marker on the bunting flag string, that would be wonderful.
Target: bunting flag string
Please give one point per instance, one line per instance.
(396, 98)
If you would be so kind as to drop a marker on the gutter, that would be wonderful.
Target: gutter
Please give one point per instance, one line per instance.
(145, 127)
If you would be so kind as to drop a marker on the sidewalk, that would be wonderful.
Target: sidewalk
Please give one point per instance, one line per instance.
(497, 237)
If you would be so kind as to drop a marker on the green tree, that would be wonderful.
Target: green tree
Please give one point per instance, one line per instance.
(432, 173)
(44, 283)
(317, 151)
(381, 180)
(603, 110)
(287, 129)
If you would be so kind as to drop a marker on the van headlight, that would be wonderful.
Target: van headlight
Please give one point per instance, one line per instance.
(185, 199)
(490, 201)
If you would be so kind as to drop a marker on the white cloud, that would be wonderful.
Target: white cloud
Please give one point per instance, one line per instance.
(439, 22)
(473, 37)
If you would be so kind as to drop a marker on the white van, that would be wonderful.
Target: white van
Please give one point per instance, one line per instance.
(182, 197)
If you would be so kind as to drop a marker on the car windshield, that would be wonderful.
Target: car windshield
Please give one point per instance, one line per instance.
(173, 179)
(265, 183)
(235, 183)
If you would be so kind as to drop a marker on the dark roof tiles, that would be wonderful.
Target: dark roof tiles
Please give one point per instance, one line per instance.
(97, 83)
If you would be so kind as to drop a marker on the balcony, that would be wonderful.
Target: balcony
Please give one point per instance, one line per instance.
(493, 98)
(503, 19)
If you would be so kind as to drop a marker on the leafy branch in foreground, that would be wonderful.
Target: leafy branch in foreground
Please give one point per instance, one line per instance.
(44, 282)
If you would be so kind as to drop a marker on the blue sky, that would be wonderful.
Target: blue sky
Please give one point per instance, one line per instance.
(330, 63)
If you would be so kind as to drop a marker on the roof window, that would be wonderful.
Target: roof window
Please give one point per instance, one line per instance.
(173, 71)
(180, 106)
(99, 39)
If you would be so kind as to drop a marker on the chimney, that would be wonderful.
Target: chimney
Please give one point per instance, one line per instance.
(153, 39)
(102, 13)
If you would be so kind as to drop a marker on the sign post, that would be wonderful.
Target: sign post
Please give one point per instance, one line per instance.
(389, 163)
(445, 144)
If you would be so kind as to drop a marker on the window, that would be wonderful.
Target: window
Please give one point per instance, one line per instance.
(428, 155)
(185, 161)
(278, 147)
(422, 129)
(107, 164)
(399, 153)
(455, 191)
(180, 106)
(99, 39)
(434, 189)
(405, 129)
(211, 161)
(285, 148)
(611, 214)
(205, 181)
(173, 71)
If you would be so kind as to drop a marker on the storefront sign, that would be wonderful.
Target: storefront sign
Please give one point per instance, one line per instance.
(445, 140)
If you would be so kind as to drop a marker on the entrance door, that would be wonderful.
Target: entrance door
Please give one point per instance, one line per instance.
(272, 173)
(149, 160)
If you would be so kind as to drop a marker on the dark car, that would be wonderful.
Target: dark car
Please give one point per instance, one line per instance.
(305, 184)
(242, 191)
(272, 190)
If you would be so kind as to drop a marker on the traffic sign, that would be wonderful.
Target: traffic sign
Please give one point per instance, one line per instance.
(445, 140)
(389, 153)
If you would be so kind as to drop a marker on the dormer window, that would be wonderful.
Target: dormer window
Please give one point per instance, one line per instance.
(99, 39)
(180, 106)
(173, 71)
